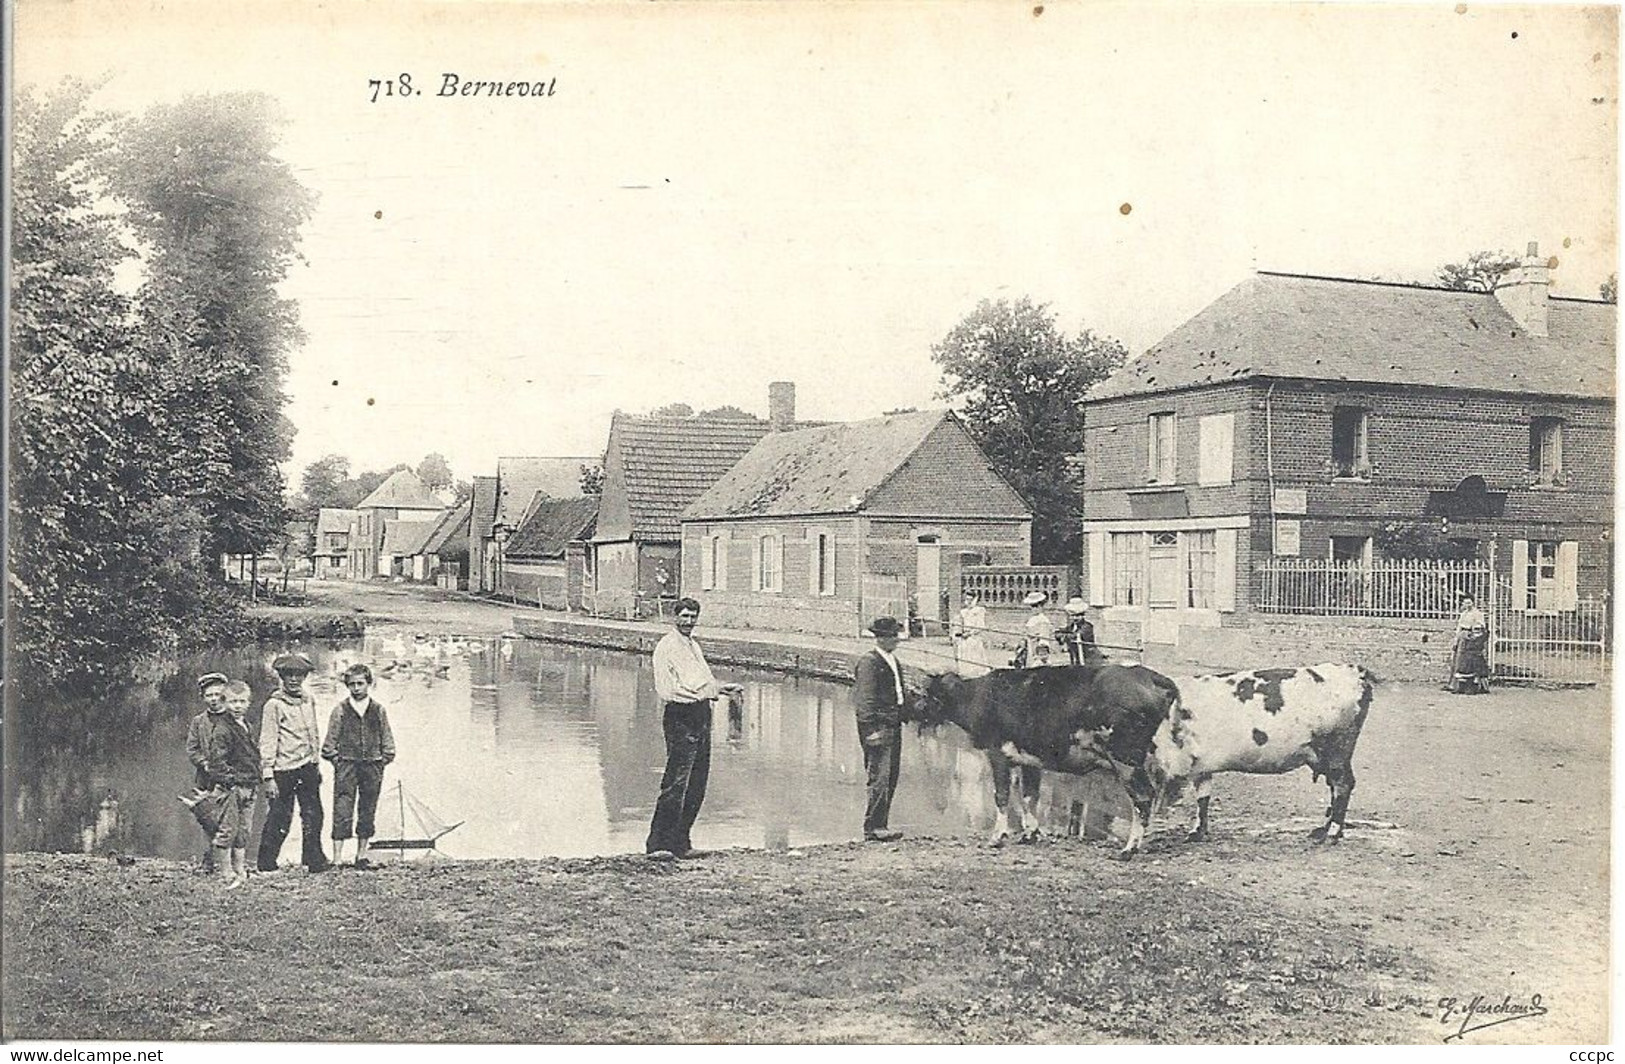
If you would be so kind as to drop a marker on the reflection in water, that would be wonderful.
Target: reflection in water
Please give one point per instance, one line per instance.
(542, 750)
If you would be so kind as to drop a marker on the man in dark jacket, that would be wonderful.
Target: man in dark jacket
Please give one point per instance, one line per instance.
(877, 697)
(359, 744)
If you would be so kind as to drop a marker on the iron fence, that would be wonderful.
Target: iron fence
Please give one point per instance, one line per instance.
(1387, 587)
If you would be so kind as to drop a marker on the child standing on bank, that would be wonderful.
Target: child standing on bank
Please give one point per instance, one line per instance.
(232, 763)
(359, 744)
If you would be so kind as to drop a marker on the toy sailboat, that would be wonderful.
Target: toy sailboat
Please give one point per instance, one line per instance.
(405, 823)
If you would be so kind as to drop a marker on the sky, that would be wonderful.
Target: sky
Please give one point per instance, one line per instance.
(717, 195)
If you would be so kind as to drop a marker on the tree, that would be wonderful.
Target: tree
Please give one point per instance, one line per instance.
(728, 411)
(592, 479)
(1481, 271)
(1020, 381)
(323, 484)
(461, 492)
(672, 410)
(1609, 289)
(221, 215)
(435, 472)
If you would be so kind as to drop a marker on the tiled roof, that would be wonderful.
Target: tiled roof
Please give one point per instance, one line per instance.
(443, 538)
(483, 512)
(1278, 325)
(519, 479)
(405, 537)
(403, 490)
(551, 525)
(333, 519)
(669, 462)
(838, 468)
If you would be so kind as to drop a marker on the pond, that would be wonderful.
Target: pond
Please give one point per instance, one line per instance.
(537, 749)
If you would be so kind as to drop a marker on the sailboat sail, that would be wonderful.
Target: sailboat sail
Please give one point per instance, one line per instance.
(405, 823)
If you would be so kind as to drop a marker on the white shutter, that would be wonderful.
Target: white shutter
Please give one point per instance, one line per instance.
(724, 538)
(708, 568)
(1568, 575)
(778, 564)
(1224, 570)
(1520, 574)
(1097, 568)
(829, 562)
(1216, 446)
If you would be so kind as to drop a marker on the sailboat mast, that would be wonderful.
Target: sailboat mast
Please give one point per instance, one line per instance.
(400, 795)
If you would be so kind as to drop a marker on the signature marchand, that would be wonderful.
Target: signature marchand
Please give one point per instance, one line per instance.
(1483, 1011)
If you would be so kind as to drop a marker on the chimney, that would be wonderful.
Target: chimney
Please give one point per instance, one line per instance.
(781, 406)
(1522, 292)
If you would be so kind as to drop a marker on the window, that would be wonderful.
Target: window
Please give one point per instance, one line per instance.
(1128, 569)
(1201, 567)
(1546, 449)
(1216, 443)
(1541, 580)
(335, 541)
(770, 562)
(1351, 549)
(335, 562)
(1160, 468)
(1349, 443)
(821, 562)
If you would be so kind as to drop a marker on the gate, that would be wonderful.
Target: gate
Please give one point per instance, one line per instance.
(883, 596)
(1546, 646)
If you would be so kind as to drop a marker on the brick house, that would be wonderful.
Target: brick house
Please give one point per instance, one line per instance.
(330, 549)
(1297, 416)
(504, 501)
(374, 550)
(787, 537)
(653, 468)
(536, 558)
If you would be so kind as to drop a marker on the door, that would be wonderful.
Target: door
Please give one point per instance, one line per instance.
(1162, 576)
(928, 582)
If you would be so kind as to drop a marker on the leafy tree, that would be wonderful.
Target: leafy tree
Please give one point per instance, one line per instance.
(221, 216)
(728, 411)
(1609, 289)
(1019, 382)
(461, 492)
(98, 554)
(592, 479)
(323, 485)
(672, 410)
(435, 472)
(1481, 271)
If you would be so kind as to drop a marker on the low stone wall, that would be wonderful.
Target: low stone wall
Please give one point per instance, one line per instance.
(829, 664)
(1394, 649)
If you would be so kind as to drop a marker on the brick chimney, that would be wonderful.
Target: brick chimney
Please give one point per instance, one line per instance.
(1522, 292)
(781, 406)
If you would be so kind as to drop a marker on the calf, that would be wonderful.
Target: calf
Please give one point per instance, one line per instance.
(1069, 718)
(1265, 720)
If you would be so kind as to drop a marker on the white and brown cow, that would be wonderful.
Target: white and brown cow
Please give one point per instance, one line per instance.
(1263, 721)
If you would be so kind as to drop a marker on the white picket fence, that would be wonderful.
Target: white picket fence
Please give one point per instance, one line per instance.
(1384, 587)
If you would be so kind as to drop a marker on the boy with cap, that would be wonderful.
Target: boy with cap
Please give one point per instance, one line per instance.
(1079, 634)
(359, 744)
(211, 687)
(877, 696)
(290, 745)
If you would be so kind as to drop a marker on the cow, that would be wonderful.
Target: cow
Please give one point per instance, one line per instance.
(1263, 721)
(1073, 718)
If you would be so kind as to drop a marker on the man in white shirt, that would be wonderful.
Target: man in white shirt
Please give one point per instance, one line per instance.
(686, 688)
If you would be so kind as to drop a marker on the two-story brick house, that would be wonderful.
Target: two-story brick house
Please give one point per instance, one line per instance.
(1297, 416)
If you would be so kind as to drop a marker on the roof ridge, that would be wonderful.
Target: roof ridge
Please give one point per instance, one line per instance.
(1372, 282)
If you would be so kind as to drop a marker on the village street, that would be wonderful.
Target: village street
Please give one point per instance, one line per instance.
(1476, 865)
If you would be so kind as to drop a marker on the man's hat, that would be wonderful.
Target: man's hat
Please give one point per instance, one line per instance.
(885, 627)
(1035, 598)
(210, 679)
(1075, 604)
(289, 663)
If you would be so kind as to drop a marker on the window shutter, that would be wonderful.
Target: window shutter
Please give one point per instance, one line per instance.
(1520, 574)
(778, 563)
(1151, 448)
(829, 562)
(724, 538)
(1568, 575)
(1216, 444)
(1224, 570)
(812, 561)
(1097, 569)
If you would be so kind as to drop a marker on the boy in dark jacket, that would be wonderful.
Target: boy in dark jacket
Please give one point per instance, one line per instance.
(232, 764)
(359, 745)
(211, 687)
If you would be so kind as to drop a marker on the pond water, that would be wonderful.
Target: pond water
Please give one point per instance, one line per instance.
(538, 749)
